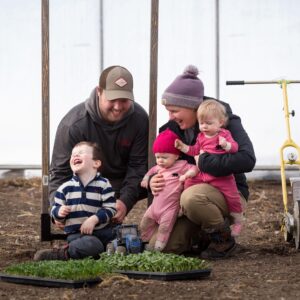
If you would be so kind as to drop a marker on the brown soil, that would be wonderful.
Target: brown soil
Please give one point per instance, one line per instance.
(264, 267)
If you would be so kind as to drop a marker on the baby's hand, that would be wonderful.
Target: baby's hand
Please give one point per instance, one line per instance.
(63, 211)
(222, 142)
(182, 178)
(178, 144)
(144, 184)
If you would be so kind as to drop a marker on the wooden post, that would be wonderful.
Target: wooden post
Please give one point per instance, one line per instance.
(45, 218)
(153, 80)
(217, 29)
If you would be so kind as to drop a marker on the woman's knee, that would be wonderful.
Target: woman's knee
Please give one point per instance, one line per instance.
(203, 204)
(194, 196)
(200, 195)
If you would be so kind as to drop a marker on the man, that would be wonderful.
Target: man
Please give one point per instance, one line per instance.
(110, 118)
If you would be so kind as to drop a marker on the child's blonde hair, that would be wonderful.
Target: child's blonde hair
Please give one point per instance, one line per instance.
(209, 108)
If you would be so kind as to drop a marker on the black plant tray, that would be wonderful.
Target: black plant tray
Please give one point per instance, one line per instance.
(188, 275)
(46, 282)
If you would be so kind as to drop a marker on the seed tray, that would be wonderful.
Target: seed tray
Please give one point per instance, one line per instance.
(46, 282)
(167, 276)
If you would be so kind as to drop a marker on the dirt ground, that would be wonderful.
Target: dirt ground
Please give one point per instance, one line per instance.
(264, 267)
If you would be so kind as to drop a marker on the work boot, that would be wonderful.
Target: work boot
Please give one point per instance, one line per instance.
(222, 244)
(52, 254)
(200, 242)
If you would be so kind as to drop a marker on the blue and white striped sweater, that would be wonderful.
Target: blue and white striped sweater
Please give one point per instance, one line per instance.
(96, 198)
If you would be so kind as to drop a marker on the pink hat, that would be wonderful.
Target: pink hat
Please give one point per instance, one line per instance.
(164, 143)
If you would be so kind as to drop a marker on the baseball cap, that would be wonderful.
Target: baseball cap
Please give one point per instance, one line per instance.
(117, 83)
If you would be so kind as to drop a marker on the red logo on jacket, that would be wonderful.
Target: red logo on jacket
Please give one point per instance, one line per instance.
(125, 143)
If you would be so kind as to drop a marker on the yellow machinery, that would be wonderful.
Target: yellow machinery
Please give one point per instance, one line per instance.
(289, 155)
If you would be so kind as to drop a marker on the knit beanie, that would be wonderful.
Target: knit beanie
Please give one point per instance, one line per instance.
(164, 143)
(186, 90)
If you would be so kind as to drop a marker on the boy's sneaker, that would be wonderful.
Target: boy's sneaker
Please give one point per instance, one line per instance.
(52, 254)
(236, 229)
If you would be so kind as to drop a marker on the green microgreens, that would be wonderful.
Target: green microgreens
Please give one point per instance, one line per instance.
(89, 268)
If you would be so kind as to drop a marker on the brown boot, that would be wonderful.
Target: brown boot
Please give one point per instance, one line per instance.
(200, 242)
(222, 244)
(52, 254)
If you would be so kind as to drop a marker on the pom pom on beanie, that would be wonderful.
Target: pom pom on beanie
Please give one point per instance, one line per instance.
(165, 142)
(186, 90)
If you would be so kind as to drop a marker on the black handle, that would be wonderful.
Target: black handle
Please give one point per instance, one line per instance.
(238, 82)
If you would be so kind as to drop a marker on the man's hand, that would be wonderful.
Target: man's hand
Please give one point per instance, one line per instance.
(87, 227)
(157, 183)
(121, 212)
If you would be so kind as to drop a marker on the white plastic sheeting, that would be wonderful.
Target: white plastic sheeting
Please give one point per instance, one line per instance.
(259, 40)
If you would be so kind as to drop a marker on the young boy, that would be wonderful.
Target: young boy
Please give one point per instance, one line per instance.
(85, 205)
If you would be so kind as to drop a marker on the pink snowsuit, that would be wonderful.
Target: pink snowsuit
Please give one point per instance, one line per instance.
(165, 206)
(225, 184)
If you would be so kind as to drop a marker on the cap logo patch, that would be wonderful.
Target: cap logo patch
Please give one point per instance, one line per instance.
(121, 82)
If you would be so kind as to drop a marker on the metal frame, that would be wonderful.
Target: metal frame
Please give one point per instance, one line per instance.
(290, 222)
(46, 234)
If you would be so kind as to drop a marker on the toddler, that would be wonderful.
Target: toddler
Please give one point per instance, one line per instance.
(85, 205)
(213, 138)
(166, 204)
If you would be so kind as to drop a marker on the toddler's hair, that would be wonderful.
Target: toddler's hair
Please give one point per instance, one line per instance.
(95, 146)
(212, 108)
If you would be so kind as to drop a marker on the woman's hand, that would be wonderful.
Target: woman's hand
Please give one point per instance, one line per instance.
(157, 183)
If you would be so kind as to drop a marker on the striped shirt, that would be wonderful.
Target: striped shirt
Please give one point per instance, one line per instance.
(96, 198)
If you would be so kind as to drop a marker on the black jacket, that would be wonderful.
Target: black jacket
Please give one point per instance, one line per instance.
(224, 164)
(124, 147)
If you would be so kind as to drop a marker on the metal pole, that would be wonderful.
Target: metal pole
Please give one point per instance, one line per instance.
(101, 37)
(217, 16)
(153, 80)
(45, 218)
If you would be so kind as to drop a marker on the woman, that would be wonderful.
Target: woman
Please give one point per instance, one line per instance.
(204, 207)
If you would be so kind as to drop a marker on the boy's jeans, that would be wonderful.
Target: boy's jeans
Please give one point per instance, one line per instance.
(81, 246)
